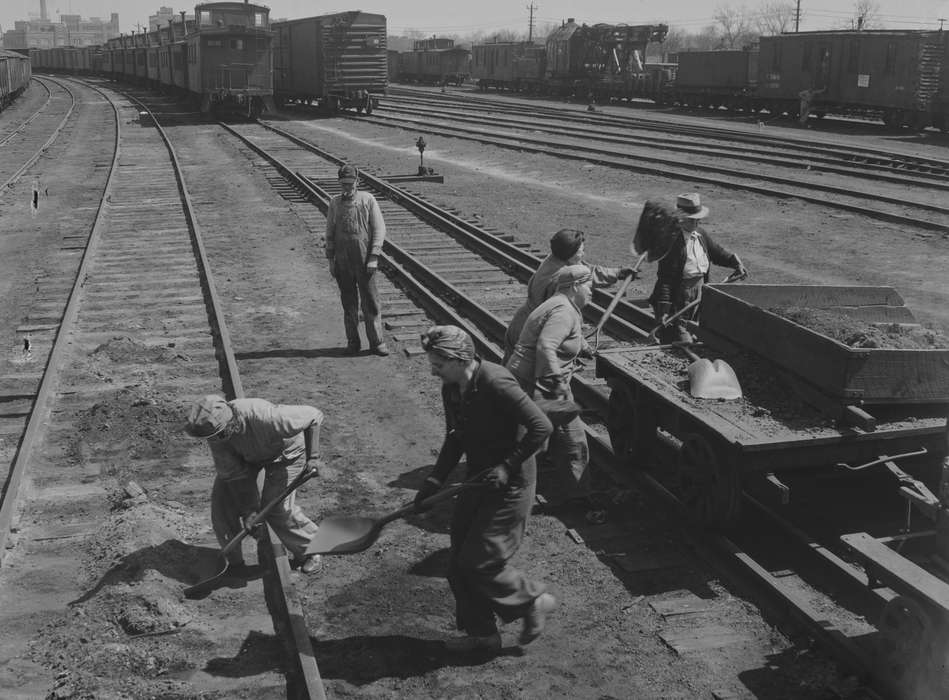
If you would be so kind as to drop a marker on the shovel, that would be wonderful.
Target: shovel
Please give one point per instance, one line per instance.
(351, 534)
(613, 302)
(711, 379)
(201, 587)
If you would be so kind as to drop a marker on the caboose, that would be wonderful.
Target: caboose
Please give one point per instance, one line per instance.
(229, 59)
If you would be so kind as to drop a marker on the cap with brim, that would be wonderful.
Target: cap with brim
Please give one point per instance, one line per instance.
(347, 173)
(209, 416)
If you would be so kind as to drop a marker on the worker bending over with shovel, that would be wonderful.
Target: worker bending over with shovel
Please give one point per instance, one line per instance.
(684, 268)
(491, 421)
(245, 436)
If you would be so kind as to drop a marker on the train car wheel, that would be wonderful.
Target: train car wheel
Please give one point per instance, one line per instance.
(709, 486)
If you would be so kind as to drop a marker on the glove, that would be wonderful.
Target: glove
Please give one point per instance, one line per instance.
(332, 267)
(586, 352)
(498, 477)
(315, 464)
(625, 272)
(250, 523)
(430, 487)
(372, 265)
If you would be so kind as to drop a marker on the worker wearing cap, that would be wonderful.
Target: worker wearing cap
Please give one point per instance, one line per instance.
(245, 436)
(566, 248)
(492, 422)
(355, 232)
(685, 268)
(544, 360)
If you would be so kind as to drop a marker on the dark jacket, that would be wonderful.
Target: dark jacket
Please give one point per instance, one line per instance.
(669, 272)
(483, 424)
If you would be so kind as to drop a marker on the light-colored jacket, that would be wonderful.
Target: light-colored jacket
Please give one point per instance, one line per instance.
(548, 346)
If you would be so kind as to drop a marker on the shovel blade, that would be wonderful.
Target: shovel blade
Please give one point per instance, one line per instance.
(713, 380)
(344, 534)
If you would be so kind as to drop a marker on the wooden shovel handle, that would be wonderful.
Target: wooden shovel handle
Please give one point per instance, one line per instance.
(619, 295)
(261, 515)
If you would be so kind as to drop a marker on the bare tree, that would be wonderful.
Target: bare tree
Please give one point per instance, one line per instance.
(735, 26)
(775, 17)
(865, 14)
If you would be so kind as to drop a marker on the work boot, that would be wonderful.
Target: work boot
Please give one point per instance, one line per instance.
(353, 348)
(490, 642)
(313, 564)
(536, 618)
(381, 349)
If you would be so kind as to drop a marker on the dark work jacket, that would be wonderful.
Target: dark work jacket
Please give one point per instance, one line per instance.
(483, 424)
(669, 272)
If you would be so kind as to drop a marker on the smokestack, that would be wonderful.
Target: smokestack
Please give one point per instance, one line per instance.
(43, 10)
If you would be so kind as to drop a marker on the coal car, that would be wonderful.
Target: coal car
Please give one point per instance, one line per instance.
(338, 61)
(435, 61)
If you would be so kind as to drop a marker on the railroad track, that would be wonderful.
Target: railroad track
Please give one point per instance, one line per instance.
(143, 296)
(24, 146)
(813, 150)
(926, 211)
(453, 285)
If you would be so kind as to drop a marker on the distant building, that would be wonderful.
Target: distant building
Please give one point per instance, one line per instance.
(70, 30)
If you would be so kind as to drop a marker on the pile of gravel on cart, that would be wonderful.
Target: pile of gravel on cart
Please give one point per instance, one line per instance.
(859, 334)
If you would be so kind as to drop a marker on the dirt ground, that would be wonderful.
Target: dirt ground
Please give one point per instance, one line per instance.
(633, 597)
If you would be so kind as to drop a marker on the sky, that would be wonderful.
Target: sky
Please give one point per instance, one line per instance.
(456, 17)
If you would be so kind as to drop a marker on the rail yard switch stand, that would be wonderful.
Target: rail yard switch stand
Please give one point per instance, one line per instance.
(420, 145)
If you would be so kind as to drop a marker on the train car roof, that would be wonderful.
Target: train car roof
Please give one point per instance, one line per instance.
(372, 15)
(12, 53)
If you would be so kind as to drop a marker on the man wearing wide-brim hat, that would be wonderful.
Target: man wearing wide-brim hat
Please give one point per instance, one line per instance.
(684, 268)
(245, 436)
(355, 233)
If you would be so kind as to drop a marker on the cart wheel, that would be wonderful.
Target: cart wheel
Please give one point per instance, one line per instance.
(709, 487)
(904, 628)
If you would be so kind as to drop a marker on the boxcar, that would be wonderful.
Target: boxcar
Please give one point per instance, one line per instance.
(338, 61)
(894, 75)
(15, 74)
(517, 66)
(716, 79)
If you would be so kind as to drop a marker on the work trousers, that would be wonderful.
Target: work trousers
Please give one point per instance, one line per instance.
(567, 446)
(487, 528)
(232, 499)
(357, 287)
(685, 293)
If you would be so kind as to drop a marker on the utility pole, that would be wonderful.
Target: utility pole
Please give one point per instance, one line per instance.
(941, 20)
(797, 17)
(530, 24)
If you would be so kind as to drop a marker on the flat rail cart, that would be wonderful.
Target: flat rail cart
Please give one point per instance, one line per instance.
(810, 403)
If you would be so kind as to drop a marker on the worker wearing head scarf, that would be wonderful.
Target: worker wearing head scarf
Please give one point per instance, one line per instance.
(566, 248)
(249, 435)
(492, 422)
(355, 233)
(544, 360)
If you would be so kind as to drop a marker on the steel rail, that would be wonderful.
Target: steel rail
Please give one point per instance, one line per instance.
(4, 187)
(609, 158)
(874, 156)
(39, 408)
(26, 122)
(784, 160)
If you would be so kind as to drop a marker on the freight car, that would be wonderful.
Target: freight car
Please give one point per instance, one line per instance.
(223, 58)
(435, 62)
(901, 77)
(338, 61)
(15, 74)
(602, 62)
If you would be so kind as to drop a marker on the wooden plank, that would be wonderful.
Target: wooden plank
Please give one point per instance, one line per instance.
(710, 636)
(688, 604)
(896, 571)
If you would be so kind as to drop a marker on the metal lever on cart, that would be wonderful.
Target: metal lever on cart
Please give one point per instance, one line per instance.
(883, 459)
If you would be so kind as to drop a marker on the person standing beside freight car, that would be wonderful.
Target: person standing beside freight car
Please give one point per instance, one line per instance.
(355, 232)
(685, 267)
(492, 422)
